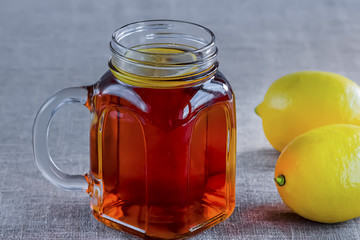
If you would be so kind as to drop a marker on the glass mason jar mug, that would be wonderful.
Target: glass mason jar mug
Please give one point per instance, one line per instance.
(162, 136)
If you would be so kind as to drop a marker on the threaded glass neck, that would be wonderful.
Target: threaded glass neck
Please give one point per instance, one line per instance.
(163, 50)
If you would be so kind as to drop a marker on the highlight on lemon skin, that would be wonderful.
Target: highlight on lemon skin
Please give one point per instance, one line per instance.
(301, 101)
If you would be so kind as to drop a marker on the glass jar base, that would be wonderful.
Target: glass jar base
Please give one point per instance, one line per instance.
(122, 226)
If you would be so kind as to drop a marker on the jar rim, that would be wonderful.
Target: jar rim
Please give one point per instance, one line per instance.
(118, 46)
(156, 51)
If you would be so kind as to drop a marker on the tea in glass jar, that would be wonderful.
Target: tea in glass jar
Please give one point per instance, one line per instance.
(162, 136)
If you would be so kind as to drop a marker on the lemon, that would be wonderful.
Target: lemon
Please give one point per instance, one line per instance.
(318, 173)
(301, 101)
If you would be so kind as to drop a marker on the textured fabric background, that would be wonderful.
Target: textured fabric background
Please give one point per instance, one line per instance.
(49, 45)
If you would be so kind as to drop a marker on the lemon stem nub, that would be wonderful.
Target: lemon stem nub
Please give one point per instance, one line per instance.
(257, 110)
(280, 180)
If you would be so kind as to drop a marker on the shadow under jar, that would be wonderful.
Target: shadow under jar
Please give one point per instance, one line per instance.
(162, 136)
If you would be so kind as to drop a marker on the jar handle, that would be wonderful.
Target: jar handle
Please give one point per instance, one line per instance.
(40, 139)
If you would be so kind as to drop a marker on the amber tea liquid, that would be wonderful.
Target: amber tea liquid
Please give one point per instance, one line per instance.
(160, 157)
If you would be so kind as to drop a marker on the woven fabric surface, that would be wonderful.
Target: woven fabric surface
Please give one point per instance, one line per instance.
(49, 45)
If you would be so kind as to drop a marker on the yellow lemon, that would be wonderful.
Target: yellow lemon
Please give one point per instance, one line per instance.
(318, 173)
(301, 101)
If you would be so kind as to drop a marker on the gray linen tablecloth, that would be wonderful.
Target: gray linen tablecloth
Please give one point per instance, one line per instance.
(49, 45)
